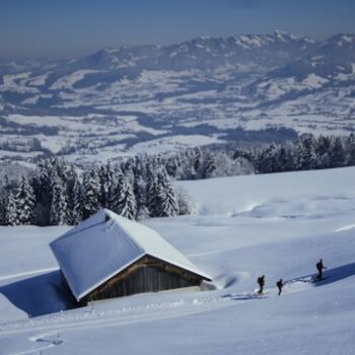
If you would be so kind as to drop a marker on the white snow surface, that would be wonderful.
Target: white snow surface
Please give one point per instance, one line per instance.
(278, 225)
(100, 248)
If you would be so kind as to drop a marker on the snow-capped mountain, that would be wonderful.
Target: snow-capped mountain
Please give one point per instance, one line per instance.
(204, 53)
(202, 91)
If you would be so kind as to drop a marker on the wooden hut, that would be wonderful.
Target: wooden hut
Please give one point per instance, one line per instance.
(109, 256)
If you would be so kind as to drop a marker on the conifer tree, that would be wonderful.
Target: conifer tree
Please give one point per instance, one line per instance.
(139, 189)
(336, 153)
(350, 150)
(2, 207)
(209, 166)
(166, 196)
(152, 195)
(77, 203)
(59, 212)
(161, 200)
(25, 201)
(124, 201)
(11, 215)
(107, 179)
(91, 193)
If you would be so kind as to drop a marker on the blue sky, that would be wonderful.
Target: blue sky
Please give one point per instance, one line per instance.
(32, 28)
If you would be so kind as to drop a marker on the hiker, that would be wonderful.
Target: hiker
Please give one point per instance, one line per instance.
(320, 268)
(261, 282)
(279, 285)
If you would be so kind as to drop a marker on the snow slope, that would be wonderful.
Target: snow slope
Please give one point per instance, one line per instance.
(278, 225)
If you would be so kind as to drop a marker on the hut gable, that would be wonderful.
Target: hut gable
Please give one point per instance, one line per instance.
(98, 256)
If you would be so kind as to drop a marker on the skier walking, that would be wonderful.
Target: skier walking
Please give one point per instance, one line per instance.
(261, 282)
(279, 285)
(320, 268)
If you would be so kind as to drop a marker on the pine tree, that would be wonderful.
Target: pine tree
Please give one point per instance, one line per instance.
(161, 200)
(59, 211)
(322, 151)
(169, 205)
(42, 189)
(139, 189)
(267, 159)
(124, 201)
(306, 153)
(337, 153)
(11, 215)
(198, 163)
(153, 199)
(77, 204)
(209, 166)
(72, 187)
(91, 193)
(2, 208)
(107, 177)
(350, 144)
(25, 201)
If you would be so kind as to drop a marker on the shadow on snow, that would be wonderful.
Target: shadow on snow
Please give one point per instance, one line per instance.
(337, 274)
(37, 295)
(329, 275)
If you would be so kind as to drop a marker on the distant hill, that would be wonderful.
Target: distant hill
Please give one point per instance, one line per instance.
(153, 98)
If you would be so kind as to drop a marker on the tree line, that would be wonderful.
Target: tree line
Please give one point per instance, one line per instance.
(56, 194)
(140, 187)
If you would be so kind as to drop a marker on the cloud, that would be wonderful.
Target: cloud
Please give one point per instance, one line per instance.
(243, 4)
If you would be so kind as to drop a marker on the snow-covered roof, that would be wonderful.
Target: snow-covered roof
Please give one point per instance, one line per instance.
(104, 245)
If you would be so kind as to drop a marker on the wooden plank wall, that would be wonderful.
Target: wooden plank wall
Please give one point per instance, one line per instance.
(146, 275)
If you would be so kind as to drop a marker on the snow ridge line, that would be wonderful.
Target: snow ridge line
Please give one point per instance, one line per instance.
(27, 273)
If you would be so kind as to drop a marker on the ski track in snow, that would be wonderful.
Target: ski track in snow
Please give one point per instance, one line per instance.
(33, 344)
(90, 317)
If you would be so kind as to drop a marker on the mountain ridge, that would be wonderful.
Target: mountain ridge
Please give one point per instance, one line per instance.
(154, 95)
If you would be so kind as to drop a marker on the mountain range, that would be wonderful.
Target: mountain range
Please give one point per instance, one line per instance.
(123, 101)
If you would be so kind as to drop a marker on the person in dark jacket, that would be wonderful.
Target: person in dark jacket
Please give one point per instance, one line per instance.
(320, 268)
(261, 282)
(279, 285)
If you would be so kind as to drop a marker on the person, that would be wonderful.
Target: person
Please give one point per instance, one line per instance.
(261, 282)
(279, 285)
(320, 268)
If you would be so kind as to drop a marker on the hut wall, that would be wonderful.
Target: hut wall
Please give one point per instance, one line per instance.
(146, 275)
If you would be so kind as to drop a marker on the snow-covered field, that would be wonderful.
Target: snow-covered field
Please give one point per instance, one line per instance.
(278, 225)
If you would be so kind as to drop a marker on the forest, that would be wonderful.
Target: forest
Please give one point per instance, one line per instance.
(57, 192)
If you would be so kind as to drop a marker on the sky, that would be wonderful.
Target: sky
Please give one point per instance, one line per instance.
(60, 28)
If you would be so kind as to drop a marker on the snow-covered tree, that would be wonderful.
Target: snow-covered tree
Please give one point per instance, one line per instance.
(91, 193)
(306, 152)
(161, 200)
(59, 211)
(107, 179)
(350, 148)
(139, 190)
(11, 215)
(152, 195)
(2, 207)
(209, 166)
(76, 203)
(123, 199)
(166, 194)
(25, 201)
(336, 153)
